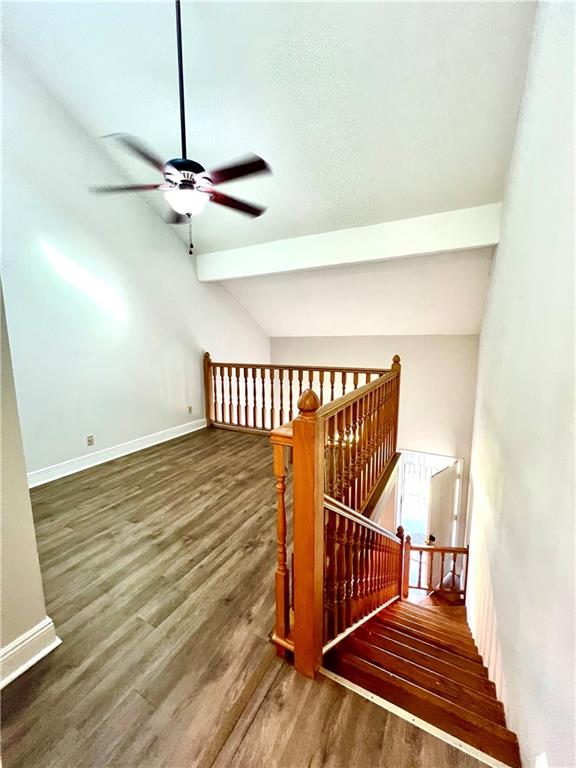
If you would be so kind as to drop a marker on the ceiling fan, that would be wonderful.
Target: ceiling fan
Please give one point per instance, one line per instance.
(187, 186)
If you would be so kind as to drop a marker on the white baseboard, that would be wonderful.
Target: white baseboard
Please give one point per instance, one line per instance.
(41, 476)
(26, 650)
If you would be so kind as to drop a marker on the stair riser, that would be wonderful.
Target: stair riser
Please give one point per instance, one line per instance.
(428, 648)
(453, 647)
(469, 679)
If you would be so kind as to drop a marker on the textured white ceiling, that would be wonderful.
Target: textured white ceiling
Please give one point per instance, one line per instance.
(439, 294)
(368, 112)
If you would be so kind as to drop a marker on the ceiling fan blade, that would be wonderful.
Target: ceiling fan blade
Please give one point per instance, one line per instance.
(134, 145)
(238, 205)
(125, 188)
(176, 218)
(247, 167)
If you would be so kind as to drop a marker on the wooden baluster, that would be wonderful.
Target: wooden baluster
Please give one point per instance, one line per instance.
(230, 404)
(332, 380)
(343, 382)
(254, 398)
(263, 383)
(368, 377)
(348, 612)
(431, 554)
(310, 379)
(300, 376)
(331, 579)
(347, 475)
(291, 395)
(443, 555)
(272, 412)
(281, 376)
(362, 574)
(339, 485)
(420, 569)
(282, 575)
(353, 455)
(454, 556)
(321, 380)
(355, 572)
(370, 569)
(245, 397)
(381, 569)
(208, 391)
(308, 516)
(405, 561)
(355, 380)
(362, 453)
(221, 369)
(331, 458)
(341, 571)
(238, 407)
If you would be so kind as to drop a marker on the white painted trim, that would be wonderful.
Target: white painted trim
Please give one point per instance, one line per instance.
(26, 650)
(422, 724)
(70, 467)
(461, 230)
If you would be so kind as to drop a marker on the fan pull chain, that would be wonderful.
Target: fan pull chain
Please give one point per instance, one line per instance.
(191, 249)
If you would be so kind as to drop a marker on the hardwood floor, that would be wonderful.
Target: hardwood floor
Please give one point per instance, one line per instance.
(158, 573)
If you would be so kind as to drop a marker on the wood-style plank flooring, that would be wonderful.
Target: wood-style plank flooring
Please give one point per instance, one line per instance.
(158, 573)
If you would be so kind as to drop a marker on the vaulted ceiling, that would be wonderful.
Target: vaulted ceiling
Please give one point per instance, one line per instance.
(367, 112)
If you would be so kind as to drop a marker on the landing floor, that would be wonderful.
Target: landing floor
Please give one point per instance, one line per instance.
(158, 573)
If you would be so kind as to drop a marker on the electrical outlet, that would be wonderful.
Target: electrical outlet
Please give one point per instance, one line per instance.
(189, 409)
(89, 439)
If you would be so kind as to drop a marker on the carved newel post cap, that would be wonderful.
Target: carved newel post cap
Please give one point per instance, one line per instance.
(396, 359)
(400, 531)
(308, 402)
(206, 355)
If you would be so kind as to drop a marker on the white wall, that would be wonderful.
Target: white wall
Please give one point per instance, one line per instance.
(437, 388)
(522, 489)
(106, 317)
(26, 633)
(440, 294)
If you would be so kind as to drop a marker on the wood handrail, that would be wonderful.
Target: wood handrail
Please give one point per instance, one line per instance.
(342, 509)
(287, 367)
(449, 550)
(338, 405)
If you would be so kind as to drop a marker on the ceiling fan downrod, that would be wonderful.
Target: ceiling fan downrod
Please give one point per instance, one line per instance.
(181, 78)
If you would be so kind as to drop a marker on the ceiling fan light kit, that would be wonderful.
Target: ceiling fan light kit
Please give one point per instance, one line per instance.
(187, 186)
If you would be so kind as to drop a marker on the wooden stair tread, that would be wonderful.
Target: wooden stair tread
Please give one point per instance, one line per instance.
(426, 626)
(426, 647)
(484, 705)
(441, 665)
(449, 625)
(487, 736)
(452, 645)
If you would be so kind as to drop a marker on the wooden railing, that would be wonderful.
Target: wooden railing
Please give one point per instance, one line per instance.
(343, 566)
(435, 569)
(258, 398)
(362, 569)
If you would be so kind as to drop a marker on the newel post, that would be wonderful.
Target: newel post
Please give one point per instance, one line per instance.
(406, 568)
(308, 490)
(398, 368)
(400, 534)
(208, 389)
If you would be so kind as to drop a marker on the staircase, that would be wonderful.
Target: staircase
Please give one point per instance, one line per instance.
(424, 660)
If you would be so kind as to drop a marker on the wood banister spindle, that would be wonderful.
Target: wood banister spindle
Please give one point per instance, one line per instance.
(263, 388)
(308, 482)
(282, 574)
